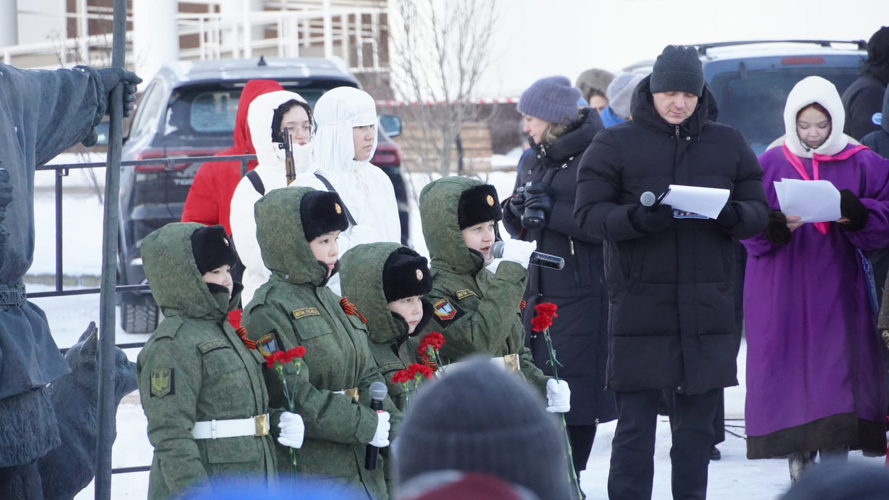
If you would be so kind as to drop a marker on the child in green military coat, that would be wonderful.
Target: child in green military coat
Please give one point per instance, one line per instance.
(296, 228)
(474, 309)
(387, 282)
(201, 387)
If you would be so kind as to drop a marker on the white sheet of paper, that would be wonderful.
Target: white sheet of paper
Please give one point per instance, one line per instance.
(814, 201)
(700, 200)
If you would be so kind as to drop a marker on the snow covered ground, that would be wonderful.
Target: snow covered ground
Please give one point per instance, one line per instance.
(734, 477)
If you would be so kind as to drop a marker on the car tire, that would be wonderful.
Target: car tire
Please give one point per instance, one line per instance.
(138, 318)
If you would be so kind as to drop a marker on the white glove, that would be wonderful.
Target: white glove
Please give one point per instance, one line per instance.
(558, 396)
(381, 437)
(518, 251)
(293, 430)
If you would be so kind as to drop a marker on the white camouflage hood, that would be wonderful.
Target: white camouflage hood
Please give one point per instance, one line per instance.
(259, 119)
(811, 90)
(337, 112)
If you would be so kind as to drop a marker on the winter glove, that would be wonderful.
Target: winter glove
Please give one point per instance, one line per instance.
(777, 231)
(519, 251)
(5, 200)
(729, 216)
(851, 208)
(381, 437)
(293, 430)
(538, 197)
(558, 396)
(648, 220)
(516, 204)
(111, 77)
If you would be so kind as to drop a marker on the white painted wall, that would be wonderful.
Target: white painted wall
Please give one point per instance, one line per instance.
(534, 38)
(39, 21)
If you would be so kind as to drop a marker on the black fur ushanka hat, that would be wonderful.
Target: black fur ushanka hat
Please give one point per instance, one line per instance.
(212, 249)
(322, 212)
(478, 204)
(405, 274)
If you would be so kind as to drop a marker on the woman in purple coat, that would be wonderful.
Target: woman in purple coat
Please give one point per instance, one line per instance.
(814, 370)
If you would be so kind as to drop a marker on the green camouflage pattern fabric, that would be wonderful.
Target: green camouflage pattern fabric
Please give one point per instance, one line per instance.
(297, 309)
(195, 368)
(362, 282)
(490, 319)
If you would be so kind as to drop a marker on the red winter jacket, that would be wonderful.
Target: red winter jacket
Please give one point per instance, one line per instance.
(209, 198)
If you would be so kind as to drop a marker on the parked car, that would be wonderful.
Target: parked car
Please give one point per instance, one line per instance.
(188, 109)
(751, 79)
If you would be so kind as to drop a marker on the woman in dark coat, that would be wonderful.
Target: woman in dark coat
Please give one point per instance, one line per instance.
(547, 181)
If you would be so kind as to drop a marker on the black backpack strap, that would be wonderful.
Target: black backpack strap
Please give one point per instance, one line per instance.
(330, 188)
(256, 180)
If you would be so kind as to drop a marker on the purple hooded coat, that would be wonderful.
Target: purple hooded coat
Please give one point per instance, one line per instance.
(814, 368)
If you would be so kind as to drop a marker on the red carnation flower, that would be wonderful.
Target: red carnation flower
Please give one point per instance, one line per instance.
(541, 323)
(546, 309)
(275, 357)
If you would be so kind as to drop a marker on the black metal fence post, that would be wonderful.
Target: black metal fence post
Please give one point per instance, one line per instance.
(60, 275)
(107, 410)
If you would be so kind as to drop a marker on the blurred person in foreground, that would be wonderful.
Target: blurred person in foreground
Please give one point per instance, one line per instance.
(482, 419)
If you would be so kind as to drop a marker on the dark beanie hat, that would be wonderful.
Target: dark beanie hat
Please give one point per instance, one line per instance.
(552, 99)
(322, 212)
(405, 274)
(478, 204)
(482, 419)
(678, 69)
(212, 248)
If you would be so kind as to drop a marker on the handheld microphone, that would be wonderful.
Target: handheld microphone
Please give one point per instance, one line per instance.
(378, 393)
(537, 258)
(648, 199)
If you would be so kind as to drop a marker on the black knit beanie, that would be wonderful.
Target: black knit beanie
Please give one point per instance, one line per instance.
(322, 212)
(678, 69)
(405, 274)
(482, 419)
(478, 204)
(212, 248)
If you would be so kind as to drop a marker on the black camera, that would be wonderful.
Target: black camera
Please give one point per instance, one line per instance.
(532, 218)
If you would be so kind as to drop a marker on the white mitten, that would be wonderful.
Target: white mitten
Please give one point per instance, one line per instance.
(381, 437)
(518, 251)
(558, 396)
(293, 430)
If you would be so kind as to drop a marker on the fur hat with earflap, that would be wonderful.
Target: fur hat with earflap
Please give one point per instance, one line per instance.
(212, 249)
(811, 90)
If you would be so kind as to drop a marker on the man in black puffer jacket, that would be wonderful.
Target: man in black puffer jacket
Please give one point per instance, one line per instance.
(547, 181)
(862, 99)
(878, 140)
(670, 282)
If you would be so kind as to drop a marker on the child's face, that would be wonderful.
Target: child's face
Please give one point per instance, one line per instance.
(409, 308)
(813, 127)
(363, 137)
(326, 249)
(220, 276)
(480, 237)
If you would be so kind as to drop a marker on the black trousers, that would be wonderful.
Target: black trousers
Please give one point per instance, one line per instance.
(581, 438)
(632, 451)
(21, 483)
(718, 419)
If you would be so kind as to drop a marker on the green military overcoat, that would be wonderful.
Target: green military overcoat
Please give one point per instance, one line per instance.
(195, 368)
(295, 308)
(475, 310)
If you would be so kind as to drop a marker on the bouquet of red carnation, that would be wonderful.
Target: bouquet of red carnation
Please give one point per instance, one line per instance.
(292, 361)
(428, 351)
(546, 311)
(411, 377)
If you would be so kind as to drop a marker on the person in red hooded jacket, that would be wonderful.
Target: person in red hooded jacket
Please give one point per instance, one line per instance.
(209, 198)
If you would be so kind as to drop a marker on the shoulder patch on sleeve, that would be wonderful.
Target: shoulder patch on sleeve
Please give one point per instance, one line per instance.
(268, 343)
(446, 312)
(305, 312)
(162, 382)
(462, 294)
(212, 345)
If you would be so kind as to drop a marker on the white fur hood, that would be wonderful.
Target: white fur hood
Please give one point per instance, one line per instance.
(811, 90)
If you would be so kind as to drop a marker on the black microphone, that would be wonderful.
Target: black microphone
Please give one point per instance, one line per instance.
(537, 258)
(377, 395)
